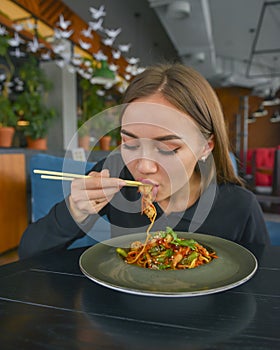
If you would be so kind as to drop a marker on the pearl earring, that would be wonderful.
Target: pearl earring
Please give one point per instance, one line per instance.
(203, 159)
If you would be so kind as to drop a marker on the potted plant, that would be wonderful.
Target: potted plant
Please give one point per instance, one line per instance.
(8, 118)
(32, 104)
(92, 103)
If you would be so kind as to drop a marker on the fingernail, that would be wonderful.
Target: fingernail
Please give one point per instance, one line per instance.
(105, 172)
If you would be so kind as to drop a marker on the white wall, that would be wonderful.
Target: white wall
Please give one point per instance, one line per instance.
(63, 98)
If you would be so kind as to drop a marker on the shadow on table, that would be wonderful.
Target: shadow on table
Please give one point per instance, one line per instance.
(165, 323)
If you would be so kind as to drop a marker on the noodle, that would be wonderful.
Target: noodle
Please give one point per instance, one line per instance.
(166, 251)
(147, 208)
(147, 204)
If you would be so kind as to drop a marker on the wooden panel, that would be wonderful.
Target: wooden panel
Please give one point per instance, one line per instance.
(13, 200)
(262, 133)
(9, 24)
(48, 11)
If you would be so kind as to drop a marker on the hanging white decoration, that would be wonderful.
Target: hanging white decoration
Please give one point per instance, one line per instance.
(113, 33)
(84, 45)
(124, 47)
(97, 13)
(87, 32)
(96, 25)
(62, 23)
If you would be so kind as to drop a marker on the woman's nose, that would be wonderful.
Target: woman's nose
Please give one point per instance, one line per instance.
(146, 166)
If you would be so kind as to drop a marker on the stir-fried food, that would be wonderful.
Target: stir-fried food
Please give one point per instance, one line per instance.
(166, 251)
(147, 206)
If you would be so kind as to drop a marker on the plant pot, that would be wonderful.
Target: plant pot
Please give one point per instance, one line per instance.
(84, 142)
(6, 136)
(105, 143)
(40, 144)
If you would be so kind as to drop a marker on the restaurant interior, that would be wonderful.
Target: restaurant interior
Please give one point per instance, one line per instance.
(63, 62)
(81, 56)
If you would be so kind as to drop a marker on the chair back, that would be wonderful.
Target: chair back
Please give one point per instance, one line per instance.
(276, 174)
(273, 229)
(46, 193)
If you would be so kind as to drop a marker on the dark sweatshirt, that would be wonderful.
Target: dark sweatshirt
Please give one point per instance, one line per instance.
(227, 210)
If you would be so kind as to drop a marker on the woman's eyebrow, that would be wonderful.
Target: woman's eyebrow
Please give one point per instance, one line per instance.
(160, 138)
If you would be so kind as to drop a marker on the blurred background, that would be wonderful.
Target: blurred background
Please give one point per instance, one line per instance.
(61, 62)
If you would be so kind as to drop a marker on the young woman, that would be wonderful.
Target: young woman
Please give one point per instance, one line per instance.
(173, 137)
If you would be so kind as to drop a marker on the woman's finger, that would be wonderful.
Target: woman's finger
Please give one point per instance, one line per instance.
(90, 195)
(97, 182)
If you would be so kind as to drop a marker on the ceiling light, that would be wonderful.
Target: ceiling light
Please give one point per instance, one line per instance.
(271, 100)
(103, 75)
(178, 9)
(275, 118)
(251, 120)
(200, 57)
(260, 112)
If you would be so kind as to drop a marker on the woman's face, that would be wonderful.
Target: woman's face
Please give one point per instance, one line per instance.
(162, 144)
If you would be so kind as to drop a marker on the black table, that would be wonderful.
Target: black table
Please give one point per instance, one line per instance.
(47, 303)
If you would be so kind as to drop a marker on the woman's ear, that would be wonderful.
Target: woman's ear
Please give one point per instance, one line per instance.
(207, 149)
(211, 143)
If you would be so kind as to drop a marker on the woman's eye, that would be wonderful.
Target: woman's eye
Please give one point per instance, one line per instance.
(128, 146)
(168, 152)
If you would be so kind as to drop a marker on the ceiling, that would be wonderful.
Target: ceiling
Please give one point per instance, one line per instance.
(229, 42)
(232, 43)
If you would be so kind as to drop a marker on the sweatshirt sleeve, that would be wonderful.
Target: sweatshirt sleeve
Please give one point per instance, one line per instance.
(56, 229)
(255, 230)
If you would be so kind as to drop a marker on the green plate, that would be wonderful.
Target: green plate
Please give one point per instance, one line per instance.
(234, 266)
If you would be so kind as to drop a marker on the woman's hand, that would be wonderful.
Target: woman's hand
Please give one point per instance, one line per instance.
(90, 195)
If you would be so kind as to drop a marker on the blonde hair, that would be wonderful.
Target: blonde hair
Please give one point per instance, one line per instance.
(191, 93)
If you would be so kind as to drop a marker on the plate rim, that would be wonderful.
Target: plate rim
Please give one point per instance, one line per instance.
(169, 294)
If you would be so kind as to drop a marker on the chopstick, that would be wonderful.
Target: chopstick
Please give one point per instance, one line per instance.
(56, 175)
(59, 174)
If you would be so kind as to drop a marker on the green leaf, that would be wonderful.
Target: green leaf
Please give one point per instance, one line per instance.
(168, 253)
(188, 260)
(171, 232)
(187, 243)
(121, 252)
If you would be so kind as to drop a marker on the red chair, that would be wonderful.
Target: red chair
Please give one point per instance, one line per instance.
(269, 196)
(276, 174)
(249, 161)
(262, 166)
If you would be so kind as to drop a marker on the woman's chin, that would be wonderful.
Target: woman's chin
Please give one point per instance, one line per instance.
(162, 200)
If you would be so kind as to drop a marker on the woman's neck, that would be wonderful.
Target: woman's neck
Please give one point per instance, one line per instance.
(184, 198)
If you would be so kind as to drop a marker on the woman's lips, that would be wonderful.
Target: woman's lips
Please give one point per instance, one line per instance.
(154, 192)
(155, 186)
(148, 181)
